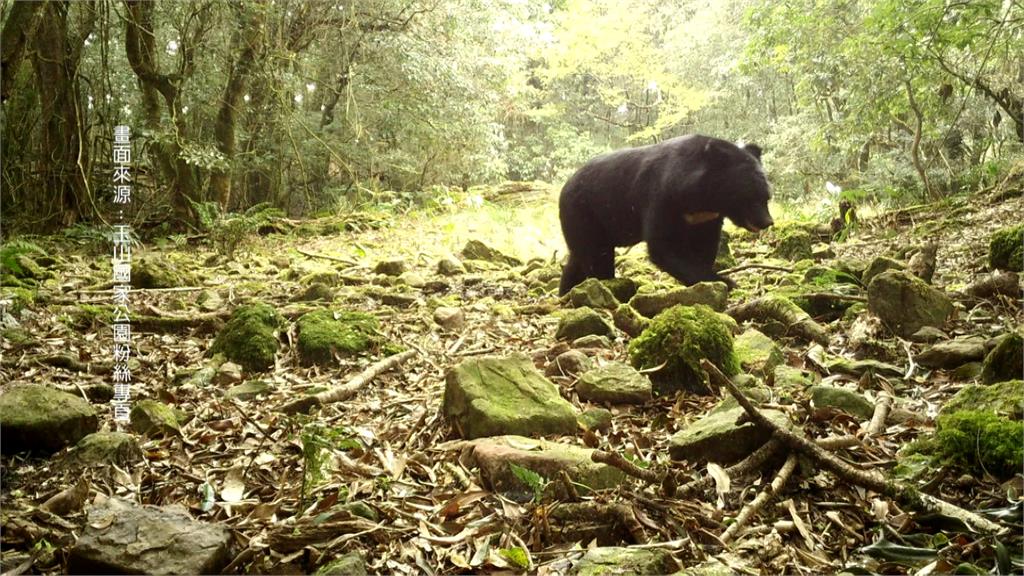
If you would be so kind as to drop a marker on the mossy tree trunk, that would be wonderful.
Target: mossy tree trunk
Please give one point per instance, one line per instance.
(249, 40)
(18, 29)
(140, 48)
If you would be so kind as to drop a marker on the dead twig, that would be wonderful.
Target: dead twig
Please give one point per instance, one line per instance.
(757, 503)
(348, 389)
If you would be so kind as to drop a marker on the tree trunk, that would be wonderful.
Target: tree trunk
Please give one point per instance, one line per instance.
(915, 149)
(250, 38)
(141, 52)
(20, 26)
(64, 159)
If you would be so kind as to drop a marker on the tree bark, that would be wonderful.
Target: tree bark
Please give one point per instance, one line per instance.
(64, 159)
(250, 35)
(20, 26)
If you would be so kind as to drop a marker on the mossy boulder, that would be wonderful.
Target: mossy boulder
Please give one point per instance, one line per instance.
(580, 322)
(629, 320)
(622, 288)
(712, 294)
(793, 244)
(390, 267)
(877, 266)
(1002, 398)
(621, 560)
(250, 337)
(315, 291)
(980, 442)
(677, 340)
(492, 396)
(43, 420)
(477, 250)
(157, 271)
(718, 437)
(757, 353)
(905, 303)
(1005, 361)
(1006, 249)
(154, 419)
(842, 399)
(101, 448)
(324, 333)
(550, 460)
(592, 293)
(615, 383)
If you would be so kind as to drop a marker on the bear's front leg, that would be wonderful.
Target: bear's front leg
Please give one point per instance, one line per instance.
(688, 252)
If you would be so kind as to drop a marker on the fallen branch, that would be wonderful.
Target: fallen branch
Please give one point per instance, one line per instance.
(871, 480)
(752, 266)
(781, 309)
(753, 462)
(348, 389)
(348, 261)
(758, 503)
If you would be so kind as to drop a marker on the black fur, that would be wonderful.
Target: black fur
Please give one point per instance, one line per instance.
(644, 194)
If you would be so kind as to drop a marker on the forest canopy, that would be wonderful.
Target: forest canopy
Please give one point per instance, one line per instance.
(313, 106)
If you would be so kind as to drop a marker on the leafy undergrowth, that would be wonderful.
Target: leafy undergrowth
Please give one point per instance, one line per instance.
(386, 475)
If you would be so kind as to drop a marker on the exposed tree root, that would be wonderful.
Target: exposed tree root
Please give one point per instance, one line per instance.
(781, 309)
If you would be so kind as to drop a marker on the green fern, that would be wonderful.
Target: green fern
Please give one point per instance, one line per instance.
(9, 253)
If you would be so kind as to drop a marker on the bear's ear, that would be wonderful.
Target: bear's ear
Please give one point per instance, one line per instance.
(754, 150)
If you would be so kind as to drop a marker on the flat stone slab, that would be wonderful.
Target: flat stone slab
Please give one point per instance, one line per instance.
(495, 395)
(717, 438)
(123, 538)
(622, 560)
(615, 383)
(952, 353)
(547, 459)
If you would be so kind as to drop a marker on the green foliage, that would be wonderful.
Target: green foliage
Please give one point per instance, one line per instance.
(517, 557)
(531, 479)
(317, 445)
(229, 231)
(10, 252)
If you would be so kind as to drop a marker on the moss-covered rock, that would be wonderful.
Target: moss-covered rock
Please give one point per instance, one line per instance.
(43, 420)
(324, 333)
(877, 266)
(351, 564)
(597, 419)
(549, 460)
(1006, 249)
(250, 337)
(1002, 398)
(592, 293)
(629, 320)
(719, 438)
(315, 291)
(842, 399)
(712, 294)
(569, 363)
(101, 448)
(677, 340)
(757, 353)
(390, 267)
(980, 442)
(1005, 361)
(794, 243)
(580, 322)
(477, 250)
(153, 419)
(615, 383)
(952, 353)
(622, 288)
(621, 560)
(157, 271)
(905, 303)
(491, 396)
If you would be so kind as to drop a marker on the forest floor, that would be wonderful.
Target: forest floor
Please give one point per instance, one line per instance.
(383, 473)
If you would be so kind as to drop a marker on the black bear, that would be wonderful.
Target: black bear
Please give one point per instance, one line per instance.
(674, 195)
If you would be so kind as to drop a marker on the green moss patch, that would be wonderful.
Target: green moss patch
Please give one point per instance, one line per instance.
(324, 333)
(980, 441)
(1006, 249)
(250, 337)
(677, 339)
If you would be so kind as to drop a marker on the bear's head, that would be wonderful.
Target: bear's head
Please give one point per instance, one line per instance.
(737, 181)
